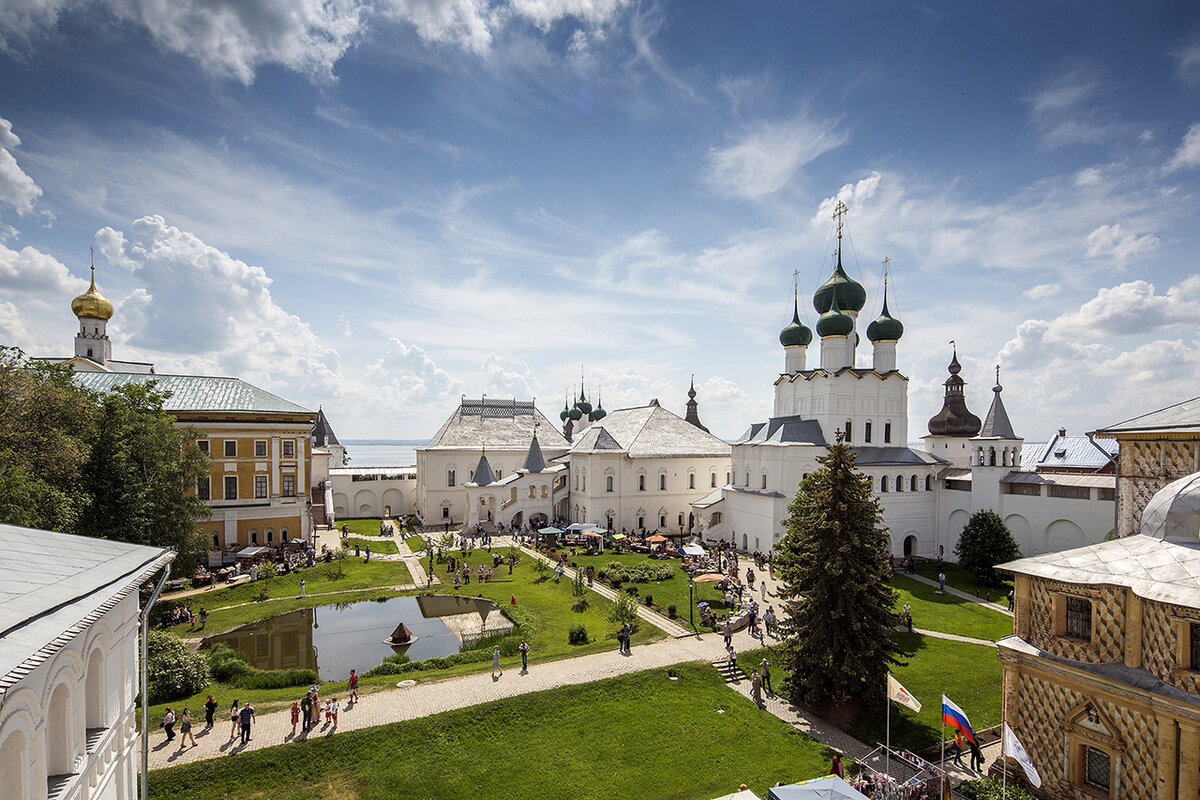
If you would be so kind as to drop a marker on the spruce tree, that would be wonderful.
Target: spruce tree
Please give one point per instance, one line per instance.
(985, 542)
(833, 562)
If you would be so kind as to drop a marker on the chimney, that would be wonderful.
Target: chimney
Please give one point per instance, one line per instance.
(1062, 432)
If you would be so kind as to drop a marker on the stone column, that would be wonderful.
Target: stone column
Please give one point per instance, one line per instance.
(1021, 600)
(1133, 629)
(1167, 768)
(1189, 759)
(275, 454)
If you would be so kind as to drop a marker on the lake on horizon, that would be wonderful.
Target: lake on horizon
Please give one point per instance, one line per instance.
(383, 452)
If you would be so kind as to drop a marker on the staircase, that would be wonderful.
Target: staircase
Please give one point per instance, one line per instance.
(731, 673)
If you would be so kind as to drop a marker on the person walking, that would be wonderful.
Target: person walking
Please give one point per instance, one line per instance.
(941, 581)
(295, 716)
(306, 710)
(959, 743)
(334, 707)
(496, 663)
(976, 757)
(210, 711)
(234, 717)
(168, 723)
(835, 766)
(756, 687)
(524, 648)
(302, 587)
(247, 719)
(728, 631)
(185, 729)
(763, 587)
(368, 553)
(353, 686)
(764, 666)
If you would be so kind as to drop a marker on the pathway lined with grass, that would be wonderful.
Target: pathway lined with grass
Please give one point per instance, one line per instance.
(960, 593)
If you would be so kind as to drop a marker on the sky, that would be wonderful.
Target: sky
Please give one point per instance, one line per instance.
(378, 206)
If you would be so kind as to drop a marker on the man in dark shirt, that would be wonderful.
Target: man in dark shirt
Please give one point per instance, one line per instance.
(306, 711)
(247, 719)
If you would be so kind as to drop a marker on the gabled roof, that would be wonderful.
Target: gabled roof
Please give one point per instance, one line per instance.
(55, 585)
(496, 425)
(108, 366)
(1069, 452)
(649, 432)
(1183, 416)
(784, 430)
(897, 456)
(997, 424)
(483, 474)
(322, 431)
(196, 392)
(534, 462)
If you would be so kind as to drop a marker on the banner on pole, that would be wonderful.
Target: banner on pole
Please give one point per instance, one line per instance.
(901, 695)
(1014, 748)
(956, 718)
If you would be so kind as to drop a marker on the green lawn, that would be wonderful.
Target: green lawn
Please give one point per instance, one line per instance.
(960, 579)
(948, 613)
(639, 735)
(665, 593)
(363, 526)
(377, 546)
(415, 543)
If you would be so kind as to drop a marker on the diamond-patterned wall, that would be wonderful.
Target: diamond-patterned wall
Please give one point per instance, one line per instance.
(1042, 709)
(1108, 621)
(1160, 644)
(1146, 467)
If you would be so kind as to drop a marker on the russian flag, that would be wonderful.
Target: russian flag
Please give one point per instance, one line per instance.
(955, 717)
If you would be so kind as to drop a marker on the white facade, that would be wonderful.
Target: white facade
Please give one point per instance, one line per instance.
(67, 707)
(373, 491)
(926, 495)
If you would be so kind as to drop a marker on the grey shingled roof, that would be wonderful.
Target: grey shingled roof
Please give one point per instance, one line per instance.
(497, 425)
(1181, 416)
(534, 462)
(784, 430)
(322, 431)
(196, 392)
(483, 474)
(649, 432)
(55, 585)
(997, 424)
(1075, 452)
(894, 456)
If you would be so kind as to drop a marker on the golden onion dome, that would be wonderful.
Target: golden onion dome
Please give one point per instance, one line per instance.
(91, 304)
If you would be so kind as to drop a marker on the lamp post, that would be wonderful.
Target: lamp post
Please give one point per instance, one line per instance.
(311, 532)
(691, 602)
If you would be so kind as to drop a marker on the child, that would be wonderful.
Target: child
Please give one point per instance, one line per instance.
(328, 710)
(334, 710)
(295, 716)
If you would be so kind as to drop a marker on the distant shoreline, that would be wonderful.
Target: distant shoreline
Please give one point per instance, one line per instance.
(386, 442)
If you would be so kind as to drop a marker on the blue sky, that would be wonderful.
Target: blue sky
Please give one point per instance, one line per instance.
(380, 205)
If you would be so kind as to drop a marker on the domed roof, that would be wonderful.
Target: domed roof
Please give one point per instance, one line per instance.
(795, 333)
(955, 419)
(91, 304)
(835, 323)
(582, 404)
(598, 413)
(1173, 513)
(566, 412)
(575, 413)
(851, 296)
(885, 327)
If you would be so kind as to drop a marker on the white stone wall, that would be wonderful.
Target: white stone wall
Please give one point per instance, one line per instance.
(89, 684)
(433, 465)
(834, 399)
(370, 498)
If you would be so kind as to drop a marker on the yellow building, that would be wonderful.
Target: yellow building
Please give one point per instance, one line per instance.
(260, 445)
(1102, 674)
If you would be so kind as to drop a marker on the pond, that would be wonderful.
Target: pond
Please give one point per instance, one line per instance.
(334, 639)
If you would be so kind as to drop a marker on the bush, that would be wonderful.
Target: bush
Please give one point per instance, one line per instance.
(990, 789)
(229, 666)
(226, 664)
(624, 609)
(672, 611)
(631, 590)
(577, 635)
(522, 619)
(580, 606)
(172, 668)
(617, 573)
(984, 543)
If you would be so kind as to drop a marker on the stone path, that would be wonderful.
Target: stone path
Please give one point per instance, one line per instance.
(959, 593)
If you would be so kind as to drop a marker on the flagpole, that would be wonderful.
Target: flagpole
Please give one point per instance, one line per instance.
(1003, 737)
(887, 748)
(942, 777)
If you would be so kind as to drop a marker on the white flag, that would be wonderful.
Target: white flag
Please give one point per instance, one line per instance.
(900, 694)
(1014, 748)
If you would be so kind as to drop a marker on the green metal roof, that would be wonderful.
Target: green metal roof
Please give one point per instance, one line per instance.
(197, 392)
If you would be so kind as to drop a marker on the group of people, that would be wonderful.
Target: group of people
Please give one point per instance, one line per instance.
(181, 614)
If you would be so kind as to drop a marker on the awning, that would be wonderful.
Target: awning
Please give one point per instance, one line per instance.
(252, 552)
(830, 787)
(592, 533)
(693, 550)
(549, 531)
(709, 577)
(618, 536)
(657, 538)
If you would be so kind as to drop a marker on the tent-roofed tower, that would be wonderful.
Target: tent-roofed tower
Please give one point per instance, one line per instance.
(693, 412)
(997, 444)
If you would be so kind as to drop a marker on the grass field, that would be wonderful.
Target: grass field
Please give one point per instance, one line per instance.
(377, 546)
(640, 735)
(415, 543)
(948, 613)
(960, 579)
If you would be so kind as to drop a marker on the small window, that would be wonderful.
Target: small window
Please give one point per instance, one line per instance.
(727, 481)
(270, 537)
(216, 542)
(662, 483)
(289, 485)
(849, 430)
(450, 478)
(912, 483)
(445, 512)
(1108, 494)
(260, 486)
(929, 483)
(1070, 492)
(662, 521)
(712, 480)
(608, 483)
(1096, 771)
(254, 540)
(260, 448)
(283, 534)
(231, 448)
(747, 480)
(641, 483)
(883, 484)
(691, 480)
(866, 432)
(203, 445)
(764, 481)
(231, 487)
(1195, 646)
(899, 483)
(1079, 618)
(202, 490)
(641, 522)
(289, 448)
(887, 432)
(89, 353)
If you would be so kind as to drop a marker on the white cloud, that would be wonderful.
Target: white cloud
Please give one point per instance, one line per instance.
(545, 13)
(231, 39)
(504, 378)
(1132, 308)
(1188, 154)
(407, 381)
(1065, 109)
(1042, 291)
(854, 195)
(1088, 176)
(17, 189)
(12, 329)
(467, 23)
(31, 271)
(1109, 241)
(766, 157)
(1187, 60)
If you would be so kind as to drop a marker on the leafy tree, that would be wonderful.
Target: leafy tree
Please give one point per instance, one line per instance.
(833, 560)
(172, 669)
(47, 423)
(139, 469)
(985, 542)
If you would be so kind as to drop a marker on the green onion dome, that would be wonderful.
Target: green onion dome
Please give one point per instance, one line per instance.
(582, 404)
(851, 296)
(835, 322)
(599, 413)
(566, 412)
(795, 333)
(575, 414)
(885, 327)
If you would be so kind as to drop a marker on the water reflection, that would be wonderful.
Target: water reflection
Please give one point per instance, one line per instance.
(334, 639)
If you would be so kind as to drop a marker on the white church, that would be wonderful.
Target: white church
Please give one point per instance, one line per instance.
(927, 494)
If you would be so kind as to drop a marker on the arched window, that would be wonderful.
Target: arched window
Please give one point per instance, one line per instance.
(270, 537)
(883, 484)
(94, 696)
(727, 478)
(283, 534)
(216, 542)
(450, 482)
(583, 479)
(641, 484)
(608, 483)
(712, 480)
(912, 483)
(253, 537)
(887, 433)
(662, 482)
(849, 430)
(691, 480)
(867, 431)
(60, 744)
(747, 479)
(14, 763)
(899, 483)
(929, 483)
(764, 481)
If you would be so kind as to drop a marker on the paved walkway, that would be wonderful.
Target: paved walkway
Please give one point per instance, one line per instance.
(959, 593)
